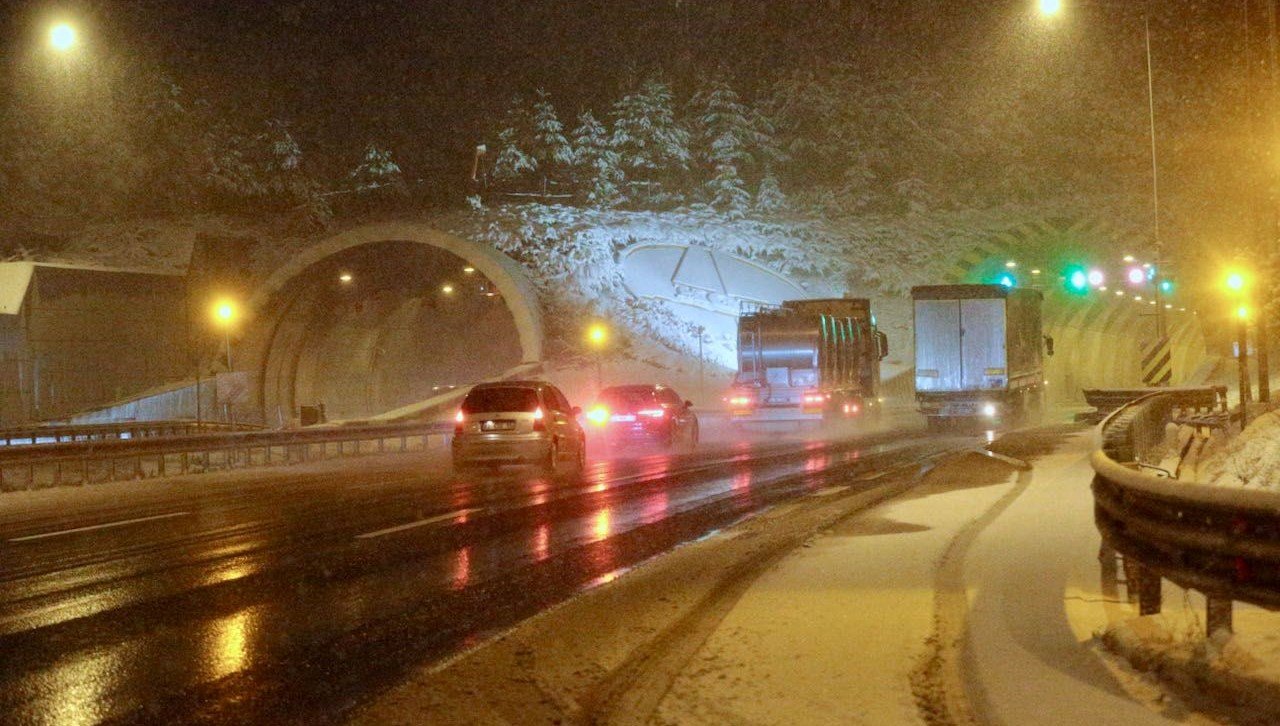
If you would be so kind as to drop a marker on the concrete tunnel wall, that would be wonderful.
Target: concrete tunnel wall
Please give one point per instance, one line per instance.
(1098, 343)
(277, 344)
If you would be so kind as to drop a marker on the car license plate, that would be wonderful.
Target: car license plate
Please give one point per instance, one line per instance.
(622, 417)
(497, 425)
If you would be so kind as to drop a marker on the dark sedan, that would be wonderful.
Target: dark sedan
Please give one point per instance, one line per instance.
(644, 414)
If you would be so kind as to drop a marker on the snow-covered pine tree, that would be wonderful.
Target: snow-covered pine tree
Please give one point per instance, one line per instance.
(728, 193)
(652, 146)
(727, 133)
(515, 142)
(596, 164)
(769, 196)
(377, 172)
(549, 148)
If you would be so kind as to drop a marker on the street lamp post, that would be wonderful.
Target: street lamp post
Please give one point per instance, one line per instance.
(1051, 8)
(598, 335)
(1242, 358)
(224, 312)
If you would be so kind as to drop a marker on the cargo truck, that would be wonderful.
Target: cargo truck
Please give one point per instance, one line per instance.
(808, 359)
(979, 352)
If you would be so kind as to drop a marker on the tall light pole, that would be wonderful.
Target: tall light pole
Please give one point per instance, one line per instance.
(1236, 284)
(1052, 8)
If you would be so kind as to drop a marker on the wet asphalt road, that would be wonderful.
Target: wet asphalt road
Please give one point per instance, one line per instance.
(294, 600)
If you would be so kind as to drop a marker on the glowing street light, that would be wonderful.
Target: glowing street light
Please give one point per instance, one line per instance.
(1050, 7)
(224, 314)
(1235, 281)
(62, 37)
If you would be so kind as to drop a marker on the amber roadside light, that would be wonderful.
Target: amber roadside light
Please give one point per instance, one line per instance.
(224, 311)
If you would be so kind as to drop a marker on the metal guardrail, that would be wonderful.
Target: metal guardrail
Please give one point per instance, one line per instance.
(88, 462)
(1223, 542)
(65, 433)
(1203, 399)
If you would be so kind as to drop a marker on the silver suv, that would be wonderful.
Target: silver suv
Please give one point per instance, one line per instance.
(518, 422)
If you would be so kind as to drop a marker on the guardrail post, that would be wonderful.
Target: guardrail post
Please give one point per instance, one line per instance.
(1217, 614)
(1150, 595)
(1110, 571)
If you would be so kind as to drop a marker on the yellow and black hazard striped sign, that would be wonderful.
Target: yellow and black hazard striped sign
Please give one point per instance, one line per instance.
(1157, 363)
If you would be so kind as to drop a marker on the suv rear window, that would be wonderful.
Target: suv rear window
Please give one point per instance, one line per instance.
(494, 400)
(627, 399)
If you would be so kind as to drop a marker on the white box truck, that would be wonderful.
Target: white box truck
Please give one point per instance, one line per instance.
(979, 352)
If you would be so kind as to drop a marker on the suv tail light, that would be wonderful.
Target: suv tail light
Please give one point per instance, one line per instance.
(539, 424)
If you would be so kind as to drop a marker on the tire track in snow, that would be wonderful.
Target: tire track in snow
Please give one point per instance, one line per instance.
(943, 695)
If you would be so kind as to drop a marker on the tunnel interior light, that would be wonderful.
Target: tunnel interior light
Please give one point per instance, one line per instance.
(446, 289)
(1128, 258)
(1011, 264)
(469, 270)
(1036, 271)
(345, 278)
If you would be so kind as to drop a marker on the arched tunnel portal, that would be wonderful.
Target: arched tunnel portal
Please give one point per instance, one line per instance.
(382, 316)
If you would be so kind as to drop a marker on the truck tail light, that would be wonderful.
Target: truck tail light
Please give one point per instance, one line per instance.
(814, 397)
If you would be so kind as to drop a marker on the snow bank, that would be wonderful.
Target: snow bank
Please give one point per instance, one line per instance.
(1249, 460)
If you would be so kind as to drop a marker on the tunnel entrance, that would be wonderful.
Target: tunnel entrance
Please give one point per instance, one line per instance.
(381, 325)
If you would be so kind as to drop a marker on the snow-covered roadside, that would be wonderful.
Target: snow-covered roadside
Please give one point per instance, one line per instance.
(1250, 459)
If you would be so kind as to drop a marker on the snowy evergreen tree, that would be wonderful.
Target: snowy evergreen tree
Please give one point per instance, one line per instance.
(515, 144)
(727, 133)
(728, 193)
(378, 172)
(596, 164)
(652, 146)
(549, 148)
(769, 196)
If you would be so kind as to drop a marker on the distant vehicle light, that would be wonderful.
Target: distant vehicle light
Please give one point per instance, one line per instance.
(1096, 277)
(1137, 276)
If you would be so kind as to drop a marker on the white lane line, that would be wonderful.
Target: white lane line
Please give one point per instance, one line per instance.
(419, 523)
(107, 525)
(829, 491)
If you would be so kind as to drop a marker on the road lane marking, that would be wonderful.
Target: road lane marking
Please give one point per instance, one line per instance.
(90, 528)
(419, 523)
(829, 491)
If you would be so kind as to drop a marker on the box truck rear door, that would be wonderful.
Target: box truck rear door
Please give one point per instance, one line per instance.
(937, 345)
(982, 342)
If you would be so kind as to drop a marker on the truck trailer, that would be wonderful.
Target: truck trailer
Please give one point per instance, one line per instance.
(808, 359)
(979, 352)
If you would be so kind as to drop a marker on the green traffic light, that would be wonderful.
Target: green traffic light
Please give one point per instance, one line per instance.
(1166, 286)
(1077, 280)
